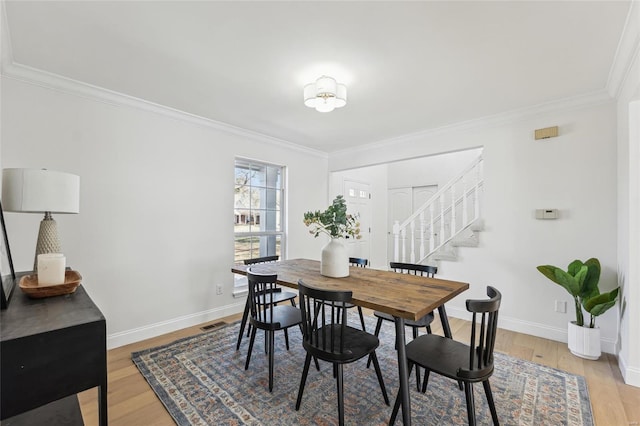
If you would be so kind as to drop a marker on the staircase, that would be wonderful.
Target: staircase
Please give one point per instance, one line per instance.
(449, 219)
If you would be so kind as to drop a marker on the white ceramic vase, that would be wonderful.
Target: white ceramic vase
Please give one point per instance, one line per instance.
(335, 260)
(584, 341)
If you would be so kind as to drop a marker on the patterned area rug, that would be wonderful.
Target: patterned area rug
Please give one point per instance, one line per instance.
(201, 380)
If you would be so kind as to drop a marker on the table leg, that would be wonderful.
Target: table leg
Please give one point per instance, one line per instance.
(403, 371)
(445, 322)
(102, 403)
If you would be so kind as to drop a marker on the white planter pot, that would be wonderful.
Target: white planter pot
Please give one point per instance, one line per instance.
(584, 341)
(335, 260)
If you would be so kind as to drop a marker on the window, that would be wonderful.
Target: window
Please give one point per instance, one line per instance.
(258, 210)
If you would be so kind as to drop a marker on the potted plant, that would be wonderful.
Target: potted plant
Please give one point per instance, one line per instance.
(337, 224)
(581, 281)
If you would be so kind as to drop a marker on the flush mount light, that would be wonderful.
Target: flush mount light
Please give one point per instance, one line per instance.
(325, 94)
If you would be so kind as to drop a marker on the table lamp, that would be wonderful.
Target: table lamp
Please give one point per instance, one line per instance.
(41, 191)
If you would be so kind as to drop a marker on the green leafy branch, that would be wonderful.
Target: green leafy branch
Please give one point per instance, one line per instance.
(335, 221)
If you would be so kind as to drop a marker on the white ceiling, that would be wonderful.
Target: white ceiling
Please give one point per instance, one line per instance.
(408, 66)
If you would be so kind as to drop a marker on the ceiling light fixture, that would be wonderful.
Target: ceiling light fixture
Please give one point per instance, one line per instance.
(325, 94)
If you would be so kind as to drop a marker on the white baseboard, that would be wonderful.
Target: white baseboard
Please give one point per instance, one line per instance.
(532, 328)
(152, 330)
(631, 375)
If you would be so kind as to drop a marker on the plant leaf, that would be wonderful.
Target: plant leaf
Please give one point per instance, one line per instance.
(601, 303)
(561, 278)
(574, 267)
(590, 284)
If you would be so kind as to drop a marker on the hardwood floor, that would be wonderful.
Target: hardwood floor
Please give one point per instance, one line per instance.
(132, 402)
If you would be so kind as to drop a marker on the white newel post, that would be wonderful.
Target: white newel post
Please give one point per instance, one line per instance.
(396, 241)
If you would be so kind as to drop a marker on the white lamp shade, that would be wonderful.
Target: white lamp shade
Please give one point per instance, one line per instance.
(39, 191)
(341, 96)
(325, 94)
(310, 95)
(325, 105)
(326, 85)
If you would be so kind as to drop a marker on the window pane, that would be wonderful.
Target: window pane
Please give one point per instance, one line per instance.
(258, 175)
(251, 247)
(256, 198)
(271, 199)
(273, 177)
(243, 248)
(266, 220)
(241, 200)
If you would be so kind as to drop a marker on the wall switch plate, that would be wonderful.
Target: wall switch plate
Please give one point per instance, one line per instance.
(561, 306)
(219, 289)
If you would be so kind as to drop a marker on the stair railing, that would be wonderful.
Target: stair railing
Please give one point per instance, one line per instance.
(441, 218)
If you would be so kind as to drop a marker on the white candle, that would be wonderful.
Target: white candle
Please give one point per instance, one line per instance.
(51, 268)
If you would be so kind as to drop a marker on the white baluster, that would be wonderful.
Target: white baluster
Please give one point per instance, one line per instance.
(465, 215)
(453, 210)
(432, 239)
(412, 253)
(422, 232)
(396, 241)
(441, 218)
(476, 210)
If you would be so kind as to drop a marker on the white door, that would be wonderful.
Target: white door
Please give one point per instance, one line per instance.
(358, 197)
(402, 202)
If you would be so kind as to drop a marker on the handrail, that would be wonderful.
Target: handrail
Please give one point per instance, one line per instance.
(420, 226)
(441, 191)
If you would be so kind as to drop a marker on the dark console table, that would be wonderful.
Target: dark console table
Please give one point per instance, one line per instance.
(50, 349)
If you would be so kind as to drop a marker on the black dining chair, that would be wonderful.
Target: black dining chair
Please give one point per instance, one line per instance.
(469, 364)
(425, 321)
(361, 263)
(279, 296)
(266, 315)
(326, 336)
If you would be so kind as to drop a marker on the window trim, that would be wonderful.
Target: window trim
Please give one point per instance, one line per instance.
(240, 283)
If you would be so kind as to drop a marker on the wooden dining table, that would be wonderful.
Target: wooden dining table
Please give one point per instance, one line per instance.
(404, 296)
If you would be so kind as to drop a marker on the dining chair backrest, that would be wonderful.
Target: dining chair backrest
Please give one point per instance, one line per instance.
(324, 321)
(414, 269)
(262, 288)
(265, 259)
(358, 261)
(483, 335)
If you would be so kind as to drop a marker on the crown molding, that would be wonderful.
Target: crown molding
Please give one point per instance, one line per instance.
(565, 104)
(6, 50)
(37, 77)
(626, 52)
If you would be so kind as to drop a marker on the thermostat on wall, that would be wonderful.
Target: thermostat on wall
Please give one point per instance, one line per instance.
(546, 213)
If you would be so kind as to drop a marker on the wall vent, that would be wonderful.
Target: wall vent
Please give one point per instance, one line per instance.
(212, 326)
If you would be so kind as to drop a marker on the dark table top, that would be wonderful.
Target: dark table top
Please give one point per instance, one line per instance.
(26, 316)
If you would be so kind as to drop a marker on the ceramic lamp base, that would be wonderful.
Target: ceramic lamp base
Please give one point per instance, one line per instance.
(48, 239)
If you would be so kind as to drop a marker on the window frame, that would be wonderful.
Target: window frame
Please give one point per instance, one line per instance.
(240, 282)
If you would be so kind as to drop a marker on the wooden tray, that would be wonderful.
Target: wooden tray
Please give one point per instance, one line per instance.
(29, 285)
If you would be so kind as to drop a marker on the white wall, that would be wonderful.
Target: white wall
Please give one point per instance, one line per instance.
(155, 231)
(628, 192)
(575, 173)
(431, 170)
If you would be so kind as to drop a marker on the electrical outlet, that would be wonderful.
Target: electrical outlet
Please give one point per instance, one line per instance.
(561, 306)
(219, 289)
